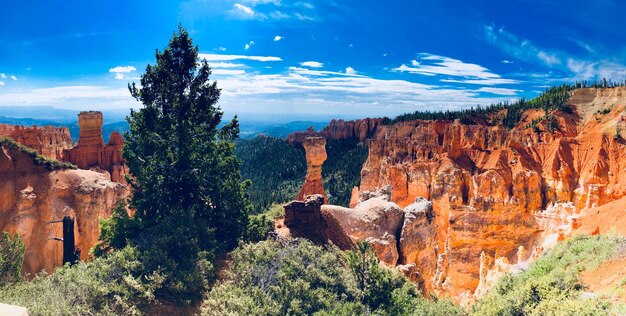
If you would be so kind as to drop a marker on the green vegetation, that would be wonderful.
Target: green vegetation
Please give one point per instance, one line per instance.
(553, 99)
(188, 197)
(277, 169)
(295, 277)
(104, 286)
(261, 225)
(11, 258)
(39, 160)
(551, 286)
(342, 170)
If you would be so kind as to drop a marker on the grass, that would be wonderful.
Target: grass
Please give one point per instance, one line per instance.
(551, 285)
(39, 160)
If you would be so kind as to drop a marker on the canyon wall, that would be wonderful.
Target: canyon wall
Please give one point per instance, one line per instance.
(475, 201)
(92, 153)
(490, 187)
(31, 196)
(48, 141)
(360, 130)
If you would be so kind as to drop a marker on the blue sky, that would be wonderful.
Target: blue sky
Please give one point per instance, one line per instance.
(312, 57)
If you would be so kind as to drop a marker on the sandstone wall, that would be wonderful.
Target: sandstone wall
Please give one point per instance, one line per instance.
(92, 153)
(31, 196)
(359, 130)
(48, 141)
(489, 184)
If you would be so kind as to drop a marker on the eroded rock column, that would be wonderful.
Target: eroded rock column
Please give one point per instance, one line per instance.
(315, 148)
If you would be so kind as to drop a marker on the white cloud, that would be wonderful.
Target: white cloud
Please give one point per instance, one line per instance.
(1, 83)
(499, 91)
(119, 76)
(71, 95)
(312, 64)
(14, 78)
(220, 57)
(277, 38)
(228, 71)
(221, 49)
(549, 59)
(571, 67)
(436, 65)
(247, 46)
(243, 8)
(506, 61)
(350, 71)
(225, 65)
(3, 76)
(119, 69)
(484, 82)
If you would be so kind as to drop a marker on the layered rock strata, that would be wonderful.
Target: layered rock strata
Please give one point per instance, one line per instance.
(92, 153)
(359, 130)
(315, 148)
(31, 196)
(48, 141)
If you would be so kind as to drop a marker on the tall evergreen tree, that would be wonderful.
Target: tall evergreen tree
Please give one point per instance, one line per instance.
(188, 199)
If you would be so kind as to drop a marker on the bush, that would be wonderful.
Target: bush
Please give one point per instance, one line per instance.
(295, 277)
(104, 286)
(550, 285)
(11, 258)
(260, 225)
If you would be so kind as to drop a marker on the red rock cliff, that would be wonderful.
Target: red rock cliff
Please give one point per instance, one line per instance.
(315, 148)
(48, 141)
(31, 196)
(359, 130)
(487, 183)
(92, 153)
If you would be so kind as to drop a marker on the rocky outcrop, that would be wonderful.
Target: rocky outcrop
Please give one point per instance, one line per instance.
(481, 200)
(92, 153)
(315, 148)
(358, 130)
(375, 220)
(31, 196)
(48, 141)
(494, 190)
(304, 218)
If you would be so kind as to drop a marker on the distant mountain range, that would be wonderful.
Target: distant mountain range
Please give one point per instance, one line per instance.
(114, 120)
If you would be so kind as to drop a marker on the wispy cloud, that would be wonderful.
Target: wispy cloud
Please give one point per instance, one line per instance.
(461, 72)
(277, 38)
(570, 67)
(244, 9)
(248, 45)
(313, 64)
(1, 83)
(14, 78)
(225, 65)
(3, 76)
(120, 69)
(350, 71)
(499, 91)
(221, 57)
(70, 95)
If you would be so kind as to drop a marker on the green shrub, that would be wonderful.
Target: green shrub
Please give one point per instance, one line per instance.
(260, 225)
(104, 286)
(49, 164)
(295, 277)
(11, 258)
(551, 286)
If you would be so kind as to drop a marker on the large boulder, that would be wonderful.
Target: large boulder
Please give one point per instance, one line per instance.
(375, 220)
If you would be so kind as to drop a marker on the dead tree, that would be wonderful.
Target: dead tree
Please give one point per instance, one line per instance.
(71, 254)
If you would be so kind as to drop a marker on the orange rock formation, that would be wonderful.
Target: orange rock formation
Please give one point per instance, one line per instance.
(48, 141)
(315, 148)
(340, 130)
(478, 200)
(31, 196)
(92, 153)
